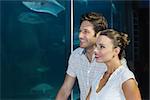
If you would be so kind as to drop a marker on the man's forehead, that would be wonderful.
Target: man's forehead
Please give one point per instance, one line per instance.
(86, 24)
(86, 27)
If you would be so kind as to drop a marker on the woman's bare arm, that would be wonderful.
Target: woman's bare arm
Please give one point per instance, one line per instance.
(131, 90)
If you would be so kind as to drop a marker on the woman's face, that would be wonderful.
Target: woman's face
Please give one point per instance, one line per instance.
(104, 50)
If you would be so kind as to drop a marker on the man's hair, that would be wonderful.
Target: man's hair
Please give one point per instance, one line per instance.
(98, 20)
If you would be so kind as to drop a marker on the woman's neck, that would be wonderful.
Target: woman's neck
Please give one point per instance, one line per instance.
(112, 65)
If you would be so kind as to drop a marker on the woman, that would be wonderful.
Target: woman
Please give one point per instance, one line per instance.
(118, 82)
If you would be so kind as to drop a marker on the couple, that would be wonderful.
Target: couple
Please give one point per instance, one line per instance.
(99, 64)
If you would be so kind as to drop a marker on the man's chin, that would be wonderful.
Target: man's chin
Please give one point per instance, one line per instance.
(82, 46)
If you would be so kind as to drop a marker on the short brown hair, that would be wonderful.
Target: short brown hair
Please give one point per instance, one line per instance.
(97, 19)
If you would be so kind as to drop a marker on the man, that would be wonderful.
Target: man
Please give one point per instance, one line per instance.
(82, 62)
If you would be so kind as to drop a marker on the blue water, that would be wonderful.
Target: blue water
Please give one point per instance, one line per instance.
(34, 51)
(35, 46)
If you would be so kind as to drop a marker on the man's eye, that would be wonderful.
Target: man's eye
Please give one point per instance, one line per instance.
(85, 32)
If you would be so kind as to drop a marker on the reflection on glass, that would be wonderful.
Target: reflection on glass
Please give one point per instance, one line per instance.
(34, 48)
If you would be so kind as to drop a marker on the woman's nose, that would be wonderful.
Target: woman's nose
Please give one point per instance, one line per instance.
(95, 50)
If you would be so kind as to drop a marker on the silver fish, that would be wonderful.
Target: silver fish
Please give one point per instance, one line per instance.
(46, 6)
(30, 18)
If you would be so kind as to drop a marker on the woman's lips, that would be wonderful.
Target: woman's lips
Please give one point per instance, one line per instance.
(96, 57)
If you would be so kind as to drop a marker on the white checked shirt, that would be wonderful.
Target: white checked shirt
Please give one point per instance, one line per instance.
(80, 67)
(86, 72)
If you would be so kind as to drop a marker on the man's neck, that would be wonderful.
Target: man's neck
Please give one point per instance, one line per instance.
(89, 53)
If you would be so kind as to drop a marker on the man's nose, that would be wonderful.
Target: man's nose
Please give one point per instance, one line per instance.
(80, 35)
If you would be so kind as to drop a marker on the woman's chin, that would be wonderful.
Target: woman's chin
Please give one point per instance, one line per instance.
(99, 61)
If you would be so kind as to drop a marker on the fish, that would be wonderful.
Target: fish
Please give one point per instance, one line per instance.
(42, 69)
(85, 1)
(45, 6)
(113, 8)
(82, 2)
(42, 88)
(31, 18)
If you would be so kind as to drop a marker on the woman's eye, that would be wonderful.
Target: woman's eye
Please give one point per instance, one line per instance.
(102, 47)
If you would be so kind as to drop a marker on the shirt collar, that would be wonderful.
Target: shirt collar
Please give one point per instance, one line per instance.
(83, 53)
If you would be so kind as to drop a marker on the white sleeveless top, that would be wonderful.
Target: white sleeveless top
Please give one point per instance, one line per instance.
(113, 88)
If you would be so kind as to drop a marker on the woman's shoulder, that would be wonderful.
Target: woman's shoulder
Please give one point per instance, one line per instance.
(126, 74)
(125, 70)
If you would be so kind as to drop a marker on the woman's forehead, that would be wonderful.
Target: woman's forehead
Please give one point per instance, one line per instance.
(102, 39)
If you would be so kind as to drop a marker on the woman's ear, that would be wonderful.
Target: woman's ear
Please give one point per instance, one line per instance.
(117, 50)
(97, 34)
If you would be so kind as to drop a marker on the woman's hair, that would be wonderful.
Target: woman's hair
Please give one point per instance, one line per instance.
(119, 40)
(98, 20)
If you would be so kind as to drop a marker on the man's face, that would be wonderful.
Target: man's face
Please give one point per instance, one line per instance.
(86, 35)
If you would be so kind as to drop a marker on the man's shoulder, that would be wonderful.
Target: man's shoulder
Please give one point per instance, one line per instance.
(78, 51)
